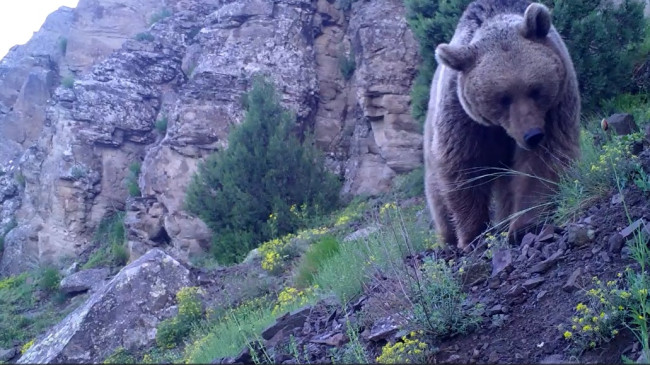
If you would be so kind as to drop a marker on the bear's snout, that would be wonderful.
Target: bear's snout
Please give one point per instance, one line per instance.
(533, 137)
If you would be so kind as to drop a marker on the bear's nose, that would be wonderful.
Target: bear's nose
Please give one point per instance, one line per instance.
(533, 136)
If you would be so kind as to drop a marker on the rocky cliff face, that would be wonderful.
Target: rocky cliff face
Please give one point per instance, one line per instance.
(67, 144)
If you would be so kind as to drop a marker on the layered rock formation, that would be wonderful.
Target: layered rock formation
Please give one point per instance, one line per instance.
(67, 149)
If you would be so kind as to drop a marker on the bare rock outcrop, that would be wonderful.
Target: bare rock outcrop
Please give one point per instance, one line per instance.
(170, 97)
(123, 313)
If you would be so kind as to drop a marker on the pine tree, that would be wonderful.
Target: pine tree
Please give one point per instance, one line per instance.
(603, 40)
(265, 170)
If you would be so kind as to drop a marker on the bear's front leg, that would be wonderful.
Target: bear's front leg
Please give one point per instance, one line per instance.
(469, 205)
(532, 189)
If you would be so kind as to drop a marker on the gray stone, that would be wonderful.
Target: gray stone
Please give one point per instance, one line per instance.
(578, 235)
(289, 320)
(632, 228)
(532, 283)
(383, 329)
(501, 261)
(622, 124)
(616, 242)
(84, 280)
(123, 313)
(572, 282)
(361, 233)
(545, 265)
(7, 354)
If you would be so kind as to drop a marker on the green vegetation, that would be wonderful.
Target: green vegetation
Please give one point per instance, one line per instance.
(172, 331)
(144, 37)
(68, 82)
(161, 124)
(266, 184)
(432, 22)
(345, 5)
(63, 45)
(49, 280)
(356, 262)
(604, 42)
(231, 332)
(159, 15)
(313, 259)
(438, 302)
(12, 224)
(20, 178)
(131, 180)
(120, 356)
(409, 185)
(18, 295)
(347, 64)
(111, 234)
(78, 171)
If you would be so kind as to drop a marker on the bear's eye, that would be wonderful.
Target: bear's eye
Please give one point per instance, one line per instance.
(534, 93)
(505, 100)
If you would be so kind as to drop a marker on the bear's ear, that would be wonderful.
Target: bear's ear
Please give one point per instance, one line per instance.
(457, 58)
(537, 21)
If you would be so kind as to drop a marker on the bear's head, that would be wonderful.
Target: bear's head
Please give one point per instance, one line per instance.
(510, 75)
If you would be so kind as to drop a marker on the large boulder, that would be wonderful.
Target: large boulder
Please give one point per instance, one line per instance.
(124, 313)
(84, 280)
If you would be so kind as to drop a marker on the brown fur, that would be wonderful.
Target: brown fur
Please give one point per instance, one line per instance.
(505, 73)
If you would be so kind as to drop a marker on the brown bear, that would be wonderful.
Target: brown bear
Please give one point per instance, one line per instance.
(502, 121)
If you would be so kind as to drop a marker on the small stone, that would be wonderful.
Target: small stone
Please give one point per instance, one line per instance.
(578, 235)
(528, 240)
(625, 252)
(497, 309)
(532, 283)
(546, 234)
(545, 265)
(541, 294)
(553, 359)
(453, 358)
(476, 353)
(642, 359)
(605, 257)
(515, 291)
(617, 199)
(494, 283)
(629, 230)
(494, 357)
(7, 354)
(571, 284)
(591, 234)
(548, 250)
(501, 261)
(622, 124)
(588, 220)
(595, 250)
(383, 329)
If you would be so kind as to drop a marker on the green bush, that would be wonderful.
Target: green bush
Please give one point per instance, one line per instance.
(347, 65)
(313, 259)
(49, 279)
(144, 36)
(604, 41)
(245, 194)
(161, 124)
(171, 332)
(63, 45)
(120, 356)
(409, 185)
(438, 302)
(131, 179)
(159, 15)
(111, 234)
(432, 22)
(68, 82)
